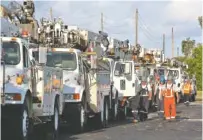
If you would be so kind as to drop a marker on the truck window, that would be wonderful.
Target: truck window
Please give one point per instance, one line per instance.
(65, 60)
(35, 54)
(80, 65)
(25, 57)
(119, 69)
(11, 53)
(161, 72)
(174, 73)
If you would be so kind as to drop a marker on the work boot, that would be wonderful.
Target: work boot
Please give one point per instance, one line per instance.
(135, 121)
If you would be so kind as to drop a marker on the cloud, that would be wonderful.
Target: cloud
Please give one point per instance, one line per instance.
(155, 18)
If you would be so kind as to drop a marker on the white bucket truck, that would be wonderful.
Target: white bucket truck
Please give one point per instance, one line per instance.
(87, 76)
(30, 93)
(126, 81)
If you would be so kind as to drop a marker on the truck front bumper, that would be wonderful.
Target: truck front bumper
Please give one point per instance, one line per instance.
(71, 111)
(11, 110)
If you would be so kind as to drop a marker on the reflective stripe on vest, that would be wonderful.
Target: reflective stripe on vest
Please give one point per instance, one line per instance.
(186, 89)
(169, 93)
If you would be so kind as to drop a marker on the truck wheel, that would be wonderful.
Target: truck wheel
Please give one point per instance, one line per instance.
(55, 122)
(106, 113)
(80, 122)
(123, 113)
(102, 118)
(81, 119)
(115, 109)
(23, 123)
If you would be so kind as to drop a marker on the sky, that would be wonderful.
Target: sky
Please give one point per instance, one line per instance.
(154, 19)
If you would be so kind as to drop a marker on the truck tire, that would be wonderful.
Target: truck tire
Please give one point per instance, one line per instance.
(55, 122)
(79, 125)
(106, 113)
(23, 124)
(115, 109)
(102, 118)
(123, 113)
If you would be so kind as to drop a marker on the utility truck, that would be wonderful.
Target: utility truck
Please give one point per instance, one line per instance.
(88, 87)
(126, 81)
(30, 92)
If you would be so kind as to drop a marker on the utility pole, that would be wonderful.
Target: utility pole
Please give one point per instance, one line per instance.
(172, 43)
(102, 22)
(163, 48)
(136, 27)
(51, 16)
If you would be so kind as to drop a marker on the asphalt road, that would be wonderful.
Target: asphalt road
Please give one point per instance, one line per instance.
(187, 126)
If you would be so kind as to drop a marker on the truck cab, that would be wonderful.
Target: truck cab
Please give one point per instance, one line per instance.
(126, 81)
(29, 94)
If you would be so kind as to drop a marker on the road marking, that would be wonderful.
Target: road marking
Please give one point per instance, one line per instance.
(196, 103)
(193, 120)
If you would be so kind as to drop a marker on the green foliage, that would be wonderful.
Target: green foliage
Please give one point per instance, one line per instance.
(187, 46)
(181, 58)
(195, 65)
(200, 21)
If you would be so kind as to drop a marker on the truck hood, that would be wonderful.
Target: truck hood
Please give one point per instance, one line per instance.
(11, 86)
(71, 82)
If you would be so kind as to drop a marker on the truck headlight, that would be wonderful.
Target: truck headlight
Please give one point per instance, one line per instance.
(13, 97)
(75, 96)
(68, 96)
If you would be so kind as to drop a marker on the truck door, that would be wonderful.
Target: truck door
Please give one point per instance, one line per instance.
(81, 72)
(118, 78)
(129, 79)
(124, 79)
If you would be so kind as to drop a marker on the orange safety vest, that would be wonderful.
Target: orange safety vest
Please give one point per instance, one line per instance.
(187, 88)
(168, 93)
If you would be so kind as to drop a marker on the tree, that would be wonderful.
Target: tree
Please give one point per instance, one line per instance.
(200, 21)
(187, 46)
(195, 65)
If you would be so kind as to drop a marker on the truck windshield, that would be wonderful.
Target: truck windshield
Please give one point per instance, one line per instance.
(161, 72)
(174, 73)
(65, 60)
(10, 53)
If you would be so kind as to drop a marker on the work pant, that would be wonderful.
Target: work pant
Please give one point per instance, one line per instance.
(144, 104)
(134, 104)
(169, 108)
(161, 105)
(186, 97)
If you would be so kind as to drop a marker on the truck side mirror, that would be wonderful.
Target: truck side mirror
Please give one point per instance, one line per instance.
(116, 73)
(127, 68)
(42, 55)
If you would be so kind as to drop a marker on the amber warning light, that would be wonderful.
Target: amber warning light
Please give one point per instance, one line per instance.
(24, 34)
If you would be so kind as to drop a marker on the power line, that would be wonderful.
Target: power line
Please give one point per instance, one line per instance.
(143, 21)
(148, 36)
(148, 32)
(148, 29)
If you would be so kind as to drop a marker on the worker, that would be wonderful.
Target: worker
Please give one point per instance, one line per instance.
(162, 87)
(194, 90)
(156, 92)
(151, 84)
(145, 98)
(187, 91)
(169, 99)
